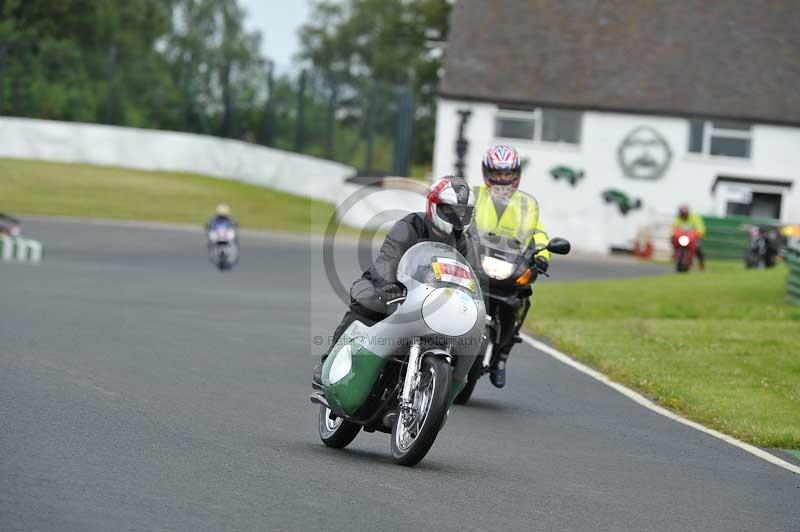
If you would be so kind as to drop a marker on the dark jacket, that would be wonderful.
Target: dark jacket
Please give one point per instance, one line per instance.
(409, 230)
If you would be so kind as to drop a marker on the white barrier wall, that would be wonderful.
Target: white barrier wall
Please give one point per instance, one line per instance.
(172, 151)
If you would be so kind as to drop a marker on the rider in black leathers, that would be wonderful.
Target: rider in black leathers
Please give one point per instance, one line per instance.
(450, 202)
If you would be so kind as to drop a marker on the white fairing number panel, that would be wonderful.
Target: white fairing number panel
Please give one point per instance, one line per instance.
(449, 311)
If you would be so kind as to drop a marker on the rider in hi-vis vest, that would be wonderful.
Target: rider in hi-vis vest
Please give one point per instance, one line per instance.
(518, 218)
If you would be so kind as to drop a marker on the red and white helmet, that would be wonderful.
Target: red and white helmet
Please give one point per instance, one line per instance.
(501, 166)
(450, 204)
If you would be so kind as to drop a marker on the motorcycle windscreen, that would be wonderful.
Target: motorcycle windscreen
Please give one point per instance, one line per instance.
(506, 220)
(438, 265)
(499, 257)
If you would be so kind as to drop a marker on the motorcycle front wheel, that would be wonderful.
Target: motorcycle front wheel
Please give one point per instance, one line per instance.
(752, 259)
(681, 263)
(336, 432)
(414, 431)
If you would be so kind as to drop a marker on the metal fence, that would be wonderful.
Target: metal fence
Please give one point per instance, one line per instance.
(792, 258)
(727, 238)
(368, 126)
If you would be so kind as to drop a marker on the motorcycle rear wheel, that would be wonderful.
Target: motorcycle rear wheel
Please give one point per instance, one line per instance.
(336, 433)
(413, 438)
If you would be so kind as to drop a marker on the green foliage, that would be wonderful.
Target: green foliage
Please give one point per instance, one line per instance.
(145, 63)
(190, 65)
(720, 346)
(369, 49)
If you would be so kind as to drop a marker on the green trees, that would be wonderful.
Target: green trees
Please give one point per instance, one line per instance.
(88, 60)
(169, 64)
(190, 65)
(370, 49)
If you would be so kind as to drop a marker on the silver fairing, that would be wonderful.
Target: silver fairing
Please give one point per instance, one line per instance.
(447, 307)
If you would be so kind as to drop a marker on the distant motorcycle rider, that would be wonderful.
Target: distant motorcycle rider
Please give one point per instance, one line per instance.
(688, 221)
(449, 206)
(499, 208)
(222, 214)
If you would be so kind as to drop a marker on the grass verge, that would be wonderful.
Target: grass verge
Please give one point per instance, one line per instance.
(720, 347)
(36, 187)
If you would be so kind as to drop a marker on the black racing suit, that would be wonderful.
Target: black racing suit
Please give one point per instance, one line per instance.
(365, 303)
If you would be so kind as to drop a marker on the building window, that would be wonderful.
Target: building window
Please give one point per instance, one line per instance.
(537, 124)
(730, 139)
(515, 128)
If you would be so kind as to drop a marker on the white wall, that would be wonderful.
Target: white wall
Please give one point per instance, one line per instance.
(165, 150)
(578, 213)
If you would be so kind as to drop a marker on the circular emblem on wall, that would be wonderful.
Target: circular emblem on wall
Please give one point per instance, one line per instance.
(644, 154)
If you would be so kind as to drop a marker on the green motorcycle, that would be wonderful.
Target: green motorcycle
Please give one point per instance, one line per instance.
(400, 376)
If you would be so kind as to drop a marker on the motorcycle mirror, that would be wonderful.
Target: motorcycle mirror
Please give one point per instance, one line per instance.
(559, 246)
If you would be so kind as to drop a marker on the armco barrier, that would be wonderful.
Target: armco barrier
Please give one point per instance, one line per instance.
(792, 256)
(727, 238)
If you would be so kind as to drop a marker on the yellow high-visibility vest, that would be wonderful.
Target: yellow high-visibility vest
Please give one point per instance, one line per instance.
(694, 221)
(519, 220)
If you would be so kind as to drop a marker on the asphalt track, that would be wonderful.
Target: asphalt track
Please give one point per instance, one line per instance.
(142, 390)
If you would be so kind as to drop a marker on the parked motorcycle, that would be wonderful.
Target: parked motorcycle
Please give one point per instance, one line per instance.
(505, 269)
(684, 245)
(9, 225)
(763, 248)
(400, 375)
(223, 244)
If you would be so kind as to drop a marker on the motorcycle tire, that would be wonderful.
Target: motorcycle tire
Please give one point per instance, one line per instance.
(336, 433)
(680, 262)
(473, 375)
(437, 374)
(751, 260)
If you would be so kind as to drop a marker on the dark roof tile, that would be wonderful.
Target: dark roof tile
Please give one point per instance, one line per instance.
(688, 57)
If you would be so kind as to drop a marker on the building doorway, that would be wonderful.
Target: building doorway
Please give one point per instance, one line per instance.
(759, 198)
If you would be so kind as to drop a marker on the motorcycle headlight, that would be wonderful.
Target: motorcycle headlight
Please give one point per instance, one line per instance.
(449, 311)
(212, 235)
(497, 268)
(341, 365)
(683, 240)
(230, 234)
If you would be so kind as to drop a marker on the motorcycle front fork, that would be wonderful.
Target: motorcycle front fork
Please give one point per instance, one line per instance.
(411, 377)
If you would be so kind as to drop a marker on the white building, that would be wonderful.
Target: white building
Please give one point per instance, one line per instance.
(657, 103)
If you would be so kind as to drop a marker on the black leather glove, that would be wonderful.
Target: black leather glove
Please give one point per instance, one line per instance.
(541, 264)
(391, 292)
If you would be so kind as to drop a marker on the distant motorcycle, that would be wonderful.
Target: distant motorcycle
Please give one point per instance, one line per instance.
(684, 244)
(9, 225)
(223, 244)
(763, 248)
(504, 268)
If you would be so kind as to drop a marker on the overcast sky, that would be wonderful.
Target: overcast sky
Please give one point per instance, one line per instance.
(278, 22)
